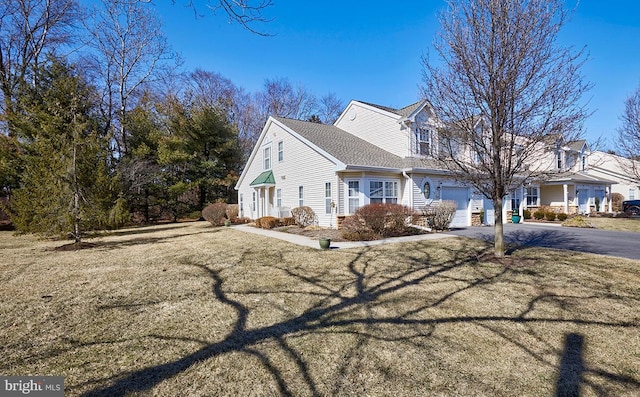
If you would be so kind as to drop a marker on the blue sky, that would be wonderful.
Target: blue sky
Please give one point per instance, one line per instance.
(371, 50)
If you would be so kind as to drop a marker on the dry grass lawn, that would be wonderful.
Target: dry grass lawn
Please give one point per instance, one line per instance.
(188, 309)
(619, 224)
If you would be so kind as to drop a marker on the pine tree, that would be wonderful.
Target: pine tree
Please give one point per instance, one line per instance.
(65, 181)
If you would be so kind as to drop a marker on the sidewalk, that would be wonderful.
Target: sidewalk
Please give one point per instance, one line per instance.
(313, 243)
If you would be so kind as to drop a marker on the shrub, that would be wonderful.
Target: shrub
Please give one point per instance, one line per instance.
(215, 213)
(562, 217)
(538, 215)
(616, 202)
(267, 222)
(375, 221)
(304, 216)
(232, 212)
(577, 221)
(550, 215)
(354, 229)
(526, 214)
(440, 214)
(288, 221)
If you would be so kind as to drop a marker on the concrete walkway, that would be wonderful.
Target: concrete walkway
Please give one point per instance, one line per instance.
(313, 243)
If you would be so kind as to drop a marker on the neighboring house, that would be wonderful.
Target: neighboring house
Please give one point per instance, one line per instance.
(619, 169)
(376, 154)
(575, 189)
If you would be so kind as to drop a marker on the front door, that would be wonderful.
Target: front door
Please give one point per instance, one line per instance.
(583, 201)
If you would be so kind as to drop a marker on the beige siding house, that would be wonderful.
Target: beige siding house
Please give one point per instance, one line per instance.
(376, 154)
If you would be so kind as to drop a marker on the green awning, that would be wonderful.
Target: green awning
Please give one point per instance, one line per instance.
(266, 178)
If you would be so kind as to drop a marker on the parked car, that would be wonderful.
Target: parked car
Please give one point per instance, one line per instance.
(631, 207)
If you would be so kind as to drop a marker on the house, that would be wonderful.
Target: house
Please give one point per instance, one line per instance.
(619, 169)
(575, 188)
(376, 154)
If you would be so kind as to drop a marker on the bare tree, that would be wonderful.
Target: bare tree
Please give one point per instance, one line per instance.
(281, 98)
(503, 88)
(28, 29)
(130, 50)
(330, 108)
(629, 134)
(244, 12)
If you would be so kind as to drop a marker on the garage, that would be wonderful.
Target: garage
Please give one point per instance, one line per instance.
(461, 196)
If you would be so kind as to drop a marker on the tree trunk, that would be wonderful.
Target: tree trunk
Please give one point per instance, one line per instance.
(498, 228)
(76, 194)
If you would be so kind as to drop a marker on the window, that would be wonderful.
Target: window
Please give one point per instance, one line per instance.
(354, 196)
(327, 198)
(376, 194)
(426, 190)
(253, 203)
(632, 194)
(559, 160)
(584, 162)
(241, 203)
(423, 141)
(300, 196)
(279, 198)
(383, 192)
(280, 151)
(267, 158)
(533, 196)
(391, 192)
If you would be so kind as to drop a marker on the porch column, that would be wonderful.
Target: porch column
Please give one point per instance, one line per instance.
(609, 199)
(565, 191)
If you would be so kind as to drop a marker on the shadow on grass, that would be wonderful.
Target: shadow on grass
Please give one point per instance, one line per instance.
(520, 239)
(351, 302)
(571, 367)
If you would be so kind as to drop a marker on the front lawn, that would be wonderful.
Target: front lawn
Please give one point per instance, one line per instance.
(619, 224)
(188, 309)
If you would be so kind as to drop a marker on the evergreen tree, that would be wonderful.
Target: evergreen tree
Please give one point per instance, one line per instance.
(65, 180)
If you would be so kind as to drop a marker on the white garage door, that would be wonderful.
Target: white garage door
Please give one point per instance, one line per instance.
(461, 196)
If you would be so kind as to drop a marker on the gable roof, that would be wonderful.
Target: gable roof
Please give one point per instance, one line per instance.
(264, 179)
(403, 112)
(576, 145)
(350, 149)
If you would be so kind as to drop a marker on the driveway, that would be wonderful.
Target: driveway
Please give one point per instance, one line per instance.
(604, 242)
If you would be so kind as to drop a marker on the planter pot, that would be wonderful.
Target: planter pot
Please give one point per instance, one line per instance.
(227, 223)
(515, 218)
(325, 243)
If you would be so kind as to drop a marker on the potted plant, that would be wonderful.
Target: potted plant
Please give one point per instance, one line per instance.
(515, 218)
(325, 242)
(227, 222)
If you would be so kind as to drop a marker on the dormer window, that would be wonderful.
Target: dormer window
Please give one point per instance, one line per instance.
(423, 141)
(584, 162)
(559, 158)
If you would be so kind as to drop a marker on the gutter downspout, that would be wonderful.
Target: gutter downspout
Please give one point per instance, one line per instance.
(408, 180)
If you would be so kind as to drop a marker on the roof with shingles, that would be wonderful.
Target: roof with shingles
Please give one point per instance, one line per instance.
(576, 145)
(350, 149)
(404, 112)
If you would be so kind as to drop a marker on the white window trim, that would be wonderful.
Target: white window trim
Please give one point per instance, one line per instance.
(384, 182)
(537, 204)
(428, 132)
(300, 196)
(360, 196)
(280, 151)
(328, 197)
(266, 156)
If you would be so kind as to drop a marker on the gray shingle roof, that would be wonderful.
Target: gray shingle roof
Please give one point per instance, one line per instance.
(404, 112)
(351, 150)
(576, 145)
